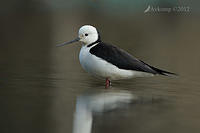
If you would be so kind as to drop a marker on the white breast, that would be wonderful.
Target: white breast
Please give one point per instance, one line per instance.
(101, 68)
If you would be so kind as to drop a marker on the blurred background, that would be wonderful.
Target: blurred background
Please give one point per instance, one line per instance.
(39, 83)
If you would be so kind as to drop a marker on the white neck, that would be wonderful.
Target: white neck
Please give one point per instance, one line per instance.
(90, 39)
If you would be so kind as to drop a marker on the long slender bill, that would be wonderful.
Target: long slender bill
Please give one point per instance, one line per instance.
(65, 43)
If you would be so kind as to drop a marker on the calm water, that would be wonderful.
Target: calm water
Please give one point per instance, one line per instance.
(45, 90)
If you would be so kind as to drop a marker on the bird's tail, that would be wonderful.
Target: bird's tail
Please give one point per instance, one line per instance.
(161, 72)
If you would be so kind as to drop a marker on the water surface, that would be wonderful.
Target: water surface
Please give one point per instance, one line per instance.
(41, 84)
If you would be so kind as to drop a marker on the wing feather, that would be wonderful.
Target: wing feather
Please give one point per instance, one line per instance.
(120, 58)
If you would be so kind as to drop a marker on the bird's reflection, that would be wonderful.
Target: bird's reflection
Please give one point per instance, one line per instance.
(101, 101)
(96, 102)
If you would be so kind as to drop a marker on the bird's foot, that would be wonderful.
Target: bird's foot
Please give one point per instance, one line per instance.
(108, 83)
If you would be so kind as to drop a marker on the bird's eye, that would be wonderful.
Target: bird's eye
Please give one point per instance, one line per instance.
(86, 34)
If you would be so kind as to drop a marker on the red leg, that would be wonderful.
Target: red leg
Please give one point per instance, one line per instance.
(107, 83)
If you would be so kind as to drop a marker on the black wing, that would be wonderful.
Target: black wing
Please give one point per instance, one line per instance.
(122, 59)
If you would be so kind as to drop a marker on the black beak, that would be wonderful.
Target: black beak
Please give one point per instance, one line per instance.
(65, 43)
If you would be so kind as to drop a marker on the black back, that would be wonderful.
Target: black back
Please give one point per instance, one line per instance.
(120, 58)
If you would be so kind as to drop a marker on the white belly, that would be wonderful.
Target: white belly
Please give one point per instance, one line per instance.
(100, 68)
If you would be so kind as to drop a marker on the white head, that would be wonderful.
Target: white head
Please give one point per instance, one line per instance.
(87, 34)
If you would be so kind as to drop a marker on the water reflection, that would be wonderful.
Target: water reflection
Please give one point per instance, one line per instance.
(92, 103)
(39, 83)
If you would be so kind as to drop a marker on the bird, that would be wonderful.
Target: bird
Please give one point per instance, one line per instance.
(109, 61)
